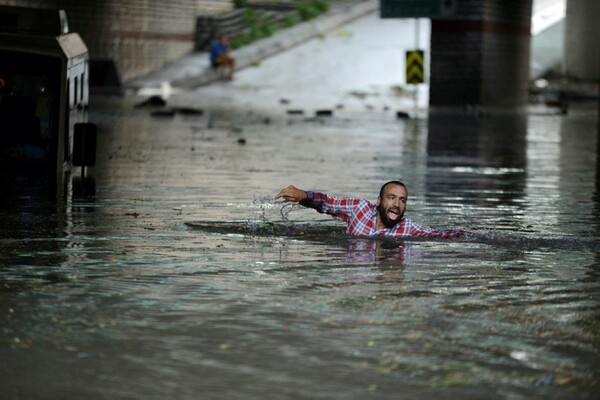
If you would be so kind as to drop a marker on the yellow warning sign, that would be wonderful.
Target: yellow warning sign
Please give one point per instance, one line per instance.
(414, 66)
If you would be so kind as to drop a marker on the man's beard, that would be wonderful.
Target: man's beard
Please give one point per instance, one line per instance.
(388, 222)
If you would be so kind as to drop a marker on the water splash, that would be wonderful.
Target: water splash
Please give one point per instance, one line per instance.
(285, 211)
(266, 204)
(263, 203)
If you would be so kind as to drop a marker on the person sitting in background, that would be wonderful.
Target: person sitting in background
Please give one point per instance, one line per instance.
(384, 219)
(220, 58)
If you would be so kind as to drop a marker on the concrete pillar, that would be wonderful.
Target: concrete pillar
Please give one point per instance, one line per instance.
(480, 56)
(582, 40)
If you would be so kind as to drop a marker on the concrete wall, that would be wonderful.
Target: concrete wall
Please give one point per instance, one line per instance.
(214, 6)
(480, 55)
(582, 40)
(139, 35)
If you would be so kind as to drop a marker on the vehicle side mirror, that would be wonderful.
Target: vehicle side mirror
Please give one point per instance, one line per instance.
(84, 145)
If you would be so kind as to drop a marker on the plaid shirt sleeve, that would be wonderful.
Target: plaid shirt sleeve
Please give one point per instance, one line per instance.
(408, 228)
(339, 208)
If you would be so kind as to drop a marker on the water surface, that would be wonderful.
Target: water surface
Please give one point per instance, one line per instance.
(107, 293)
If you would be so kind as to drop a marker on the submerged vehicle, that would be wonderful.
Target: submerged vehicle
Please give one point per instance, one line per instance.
(44, 96)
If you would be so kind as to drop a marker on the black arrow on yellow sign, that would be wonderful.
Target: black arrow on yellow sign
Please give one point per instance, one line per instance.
(414, 66)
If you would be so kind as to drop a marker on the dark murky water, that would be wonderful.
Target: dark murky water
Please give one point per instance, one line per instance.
(114, 296)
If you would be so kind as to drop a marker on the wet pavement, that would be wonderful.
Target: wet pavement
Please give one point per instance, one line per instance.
(174, 274)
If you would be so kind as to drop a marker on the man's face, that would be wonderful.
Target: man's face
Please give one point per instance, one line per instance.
(392, 205)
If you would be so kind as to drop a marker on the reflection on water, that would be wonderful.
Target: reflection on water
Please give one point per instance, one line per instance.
(487, 155)
(174, 274)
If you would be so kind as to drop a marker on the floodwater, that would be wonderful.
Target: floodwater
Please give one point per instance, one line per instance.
(115, 295)
(174, 274)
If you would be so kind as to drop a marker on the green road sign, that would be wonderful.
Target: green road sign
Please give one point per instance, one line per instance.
(416, 8)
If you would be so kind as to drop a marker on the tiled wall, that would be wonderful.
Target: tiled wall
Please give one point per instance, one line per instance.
(139, 35)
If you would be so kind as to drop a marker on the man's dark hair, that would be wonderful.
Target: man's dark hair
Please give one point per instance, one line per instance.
(391, 183)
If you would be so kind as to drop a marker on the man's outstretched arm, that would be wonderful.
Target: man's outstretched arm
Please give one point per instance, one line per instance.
(338, 207)
(413, 229)
(292, 193)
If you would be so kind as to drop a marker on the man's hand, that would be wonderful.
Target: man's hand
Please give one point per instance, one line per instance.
(292, 193)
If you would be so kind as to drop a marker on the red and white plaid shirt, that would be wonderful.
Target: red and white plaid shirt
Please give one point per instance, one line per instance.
(361, 216)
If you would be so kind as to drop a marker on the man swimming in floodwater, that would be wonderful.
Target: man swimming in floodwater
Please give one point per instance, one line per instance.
(386, 218)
